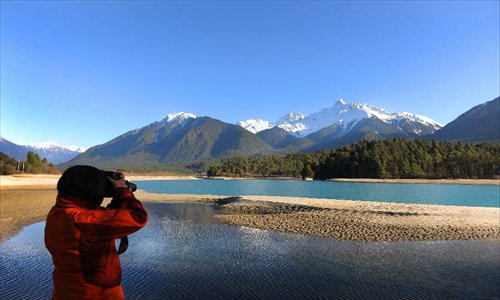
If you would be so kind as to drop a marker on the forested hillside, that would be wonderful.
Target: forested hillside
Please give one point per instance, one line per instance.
(391, 158)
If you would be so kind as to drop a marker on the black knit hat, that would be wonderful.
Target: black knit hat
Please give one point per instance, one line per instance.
(85, 182)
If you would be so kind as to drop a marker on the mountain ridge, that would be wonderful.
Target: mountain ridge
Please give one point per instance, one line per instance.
(344, 115)
(52, 151)
(480, 123)
(175, 140)
(183, 138)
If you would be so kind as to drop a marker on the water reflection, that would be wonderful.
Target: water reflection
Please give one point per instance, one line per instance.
(183, 253)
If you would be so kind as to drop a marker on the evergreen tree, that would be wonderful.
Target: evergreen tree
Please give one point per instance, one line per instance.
(391, 158)
(307, 172)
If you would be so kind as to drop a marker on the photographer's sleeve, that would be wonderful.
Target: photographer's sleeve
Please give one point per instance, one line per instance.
(123, 216)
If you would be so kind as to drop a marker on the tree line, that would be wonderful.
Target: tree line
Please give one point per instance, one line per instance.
(392, 158)
(33, 165)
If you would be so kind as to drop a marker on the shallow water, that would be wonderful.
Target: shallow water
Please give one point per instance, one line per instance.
(183, 253)
(443, 194)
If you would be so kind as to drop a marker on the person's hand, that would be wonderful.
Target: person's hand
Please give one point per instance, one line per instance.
(119, 183)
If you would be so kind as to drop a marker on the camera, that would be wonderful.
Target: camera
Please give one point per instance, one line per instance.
(110, 191)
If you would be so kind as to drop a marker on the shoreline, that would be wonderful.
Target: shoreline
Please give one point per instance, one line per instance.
(338, 219)
(25, 199)
(364, 221)
(372, 180)
(421, 181)
(49, 181)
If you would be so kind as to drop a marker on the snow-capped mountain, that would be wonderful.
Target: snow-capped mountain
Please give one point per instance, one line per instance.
(53, 146)
(179, 117)
(255, 125)
(52, 151)
(290, 118)
(186, 138)
(180, 137)
(345, 116)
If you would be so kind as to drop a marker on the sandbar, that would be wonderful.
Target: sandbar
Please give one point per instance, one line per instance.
(352, 220)
(29, 202)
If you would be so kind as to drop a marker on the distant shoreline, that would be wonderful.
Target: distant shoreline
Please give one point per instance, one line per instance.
(421, 181)
(49, 181)
(374, 180)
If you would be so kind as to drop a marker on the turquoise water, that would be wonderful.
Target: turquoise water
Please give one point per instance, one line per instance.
(184, 253)
(443, 194)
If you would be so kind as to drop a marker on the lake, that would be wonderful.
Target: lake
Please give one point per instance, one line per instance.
(184, 253)
(443, 194)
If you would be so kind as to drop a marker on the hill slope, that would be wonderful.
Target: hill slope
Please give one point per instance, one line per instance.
(276, 137)
(480, 123)
(178, 138)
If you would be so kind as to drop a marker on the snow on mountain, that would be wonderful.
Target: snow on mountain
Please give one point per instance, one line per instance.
(51, 145)
(291, 122)
(290, 117)
(179, 117)
(255, 125)
(75, 148)
(419, 119)
(50, 150)
(346, 116)
(54, 152)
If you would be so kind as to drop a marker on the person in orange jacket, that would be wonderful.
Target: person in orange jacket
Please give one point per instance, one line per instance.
(80, 234)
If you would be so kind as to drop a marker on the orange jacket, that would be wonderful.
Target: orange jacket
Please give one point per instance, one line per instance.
(80, 236)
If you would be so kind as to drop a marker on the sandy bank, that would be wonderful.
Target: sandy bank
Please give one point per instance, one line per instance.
(22, 207)
(353, 220)
(46, 181)
(339, 219)
(28, 181)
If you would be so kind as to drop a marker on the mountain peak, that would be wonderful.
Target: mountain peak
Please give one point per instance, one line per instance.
(49, 145)
(421, 119)
(341, 102)
(163, 143)
(44, 145)
(50, 150)
(346, 115)
(290, 117)
(181, 116)
(255, 125)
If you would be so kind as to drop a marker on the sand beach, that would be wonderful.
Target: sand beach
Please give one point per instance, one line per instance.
(27, 199)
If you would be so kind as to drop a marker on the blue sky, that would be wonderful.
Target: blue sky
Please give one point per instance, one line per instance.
(85, 72)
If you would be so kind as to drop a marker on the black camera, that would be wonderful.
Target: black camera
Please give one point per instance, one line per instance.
(110, 191)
